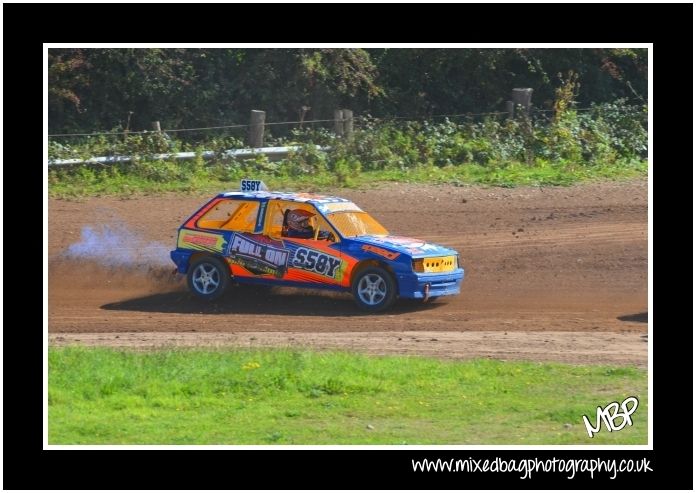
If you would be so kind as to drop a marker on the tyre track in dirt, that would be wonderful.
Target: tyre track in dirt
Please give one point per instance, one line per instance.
(568, 347)
(558, 260)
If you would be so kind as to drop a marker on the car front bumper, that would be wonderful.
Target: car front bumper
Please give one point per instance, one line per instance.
(415, 285)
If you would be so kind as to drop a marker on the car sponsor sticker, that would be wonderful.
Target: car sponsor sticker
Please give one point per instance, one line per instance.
(381, 251)
(257, 257)
(337, 206)
(198, 240)
(258, 228)
(412, 244)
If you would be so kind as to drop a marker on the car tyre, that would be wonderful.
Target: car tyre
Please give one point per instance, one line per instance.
(208, 278)
(374, 289)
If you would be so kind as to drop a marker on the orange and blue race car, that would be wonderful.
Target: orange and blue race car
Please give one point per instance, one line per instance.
(254, 236)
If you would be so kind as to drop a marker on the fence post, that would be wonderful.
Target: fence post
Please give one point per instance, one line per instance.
(510, 109)
(258, 119)
(338, 123)
(156, 127)
(127, 129)
(303, 112)
(522, 97)
(348, 123)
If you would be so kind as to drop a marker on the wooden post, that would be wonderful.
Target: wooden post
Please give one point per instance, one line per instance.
(156, 127)
(522, 97)
(303, 112)
(338, 123)
(510, 109)
(258, 119)
(127, 130)
(348, 123)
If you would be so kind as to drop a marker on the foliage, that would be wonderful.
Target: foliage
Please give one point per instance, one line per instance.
(565, 96)
(128, 88)
(608, 140)
(307, 160)
(626, 126)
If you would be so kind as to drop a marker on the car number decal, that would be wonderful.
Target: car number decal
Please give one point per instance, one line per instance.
(316, 261)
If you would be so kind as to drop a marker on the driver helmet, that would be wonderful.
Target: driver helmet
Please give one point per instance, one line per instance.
(298, 220)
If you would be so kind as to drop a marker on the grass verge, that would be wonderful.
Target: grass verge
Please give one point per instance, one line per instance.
(171, 177)
(105, 396)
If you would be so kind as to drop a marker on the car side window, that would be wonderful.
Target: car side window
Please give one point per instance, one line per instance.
(231, 215)
(276, 219)
(326, 232)
(275, 215)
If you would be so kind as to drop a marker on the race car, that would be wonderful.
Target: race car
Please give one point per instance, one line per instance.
(255, 236)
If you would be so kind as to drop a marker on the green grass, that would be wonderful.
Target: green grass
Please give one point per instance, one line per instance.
(103, 396)
(166, 177)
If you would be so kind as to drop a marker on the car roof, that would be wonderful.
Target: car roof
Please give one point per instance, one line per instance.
(289, 196)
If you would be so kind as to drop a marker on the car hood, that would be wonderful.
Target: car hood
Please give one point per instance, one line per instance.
(410, 246)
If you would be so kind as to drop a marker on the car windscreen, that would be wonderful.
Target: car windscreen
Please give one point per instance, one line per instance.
(350, 224)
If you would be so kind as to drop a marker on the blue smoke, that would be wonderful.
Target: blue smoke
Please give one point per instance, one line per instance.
(117, 246)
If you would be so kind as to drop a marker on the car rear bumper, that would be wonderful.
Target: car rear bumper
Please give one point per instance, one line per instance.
(181, 259)
(416, 286)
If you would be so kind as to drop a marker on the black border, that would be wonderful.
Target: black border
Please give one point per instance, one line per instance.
(26, 465)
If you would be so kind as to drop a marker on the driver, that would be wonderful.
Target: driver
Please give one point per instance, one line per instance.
(298, 224)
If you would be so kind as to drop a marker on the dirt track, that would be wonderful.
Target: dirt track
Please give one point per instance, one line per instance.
(554, 274)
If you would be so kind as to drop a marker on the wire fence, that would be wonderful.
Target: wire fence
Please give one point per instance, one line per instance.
(320, 123)
(196, 129)
(276, 139)
(301, 124)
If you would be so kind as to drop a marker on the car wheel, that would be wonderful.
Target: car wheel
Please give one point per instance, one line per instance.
(374, 289)
(208, 278)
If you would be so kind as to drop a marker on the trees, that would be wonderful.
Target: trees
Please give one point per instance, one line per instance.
(96, 89)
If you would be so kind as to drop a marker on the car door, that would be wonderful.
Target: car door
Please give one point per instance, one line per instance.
(310, 260)
(250, 253)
